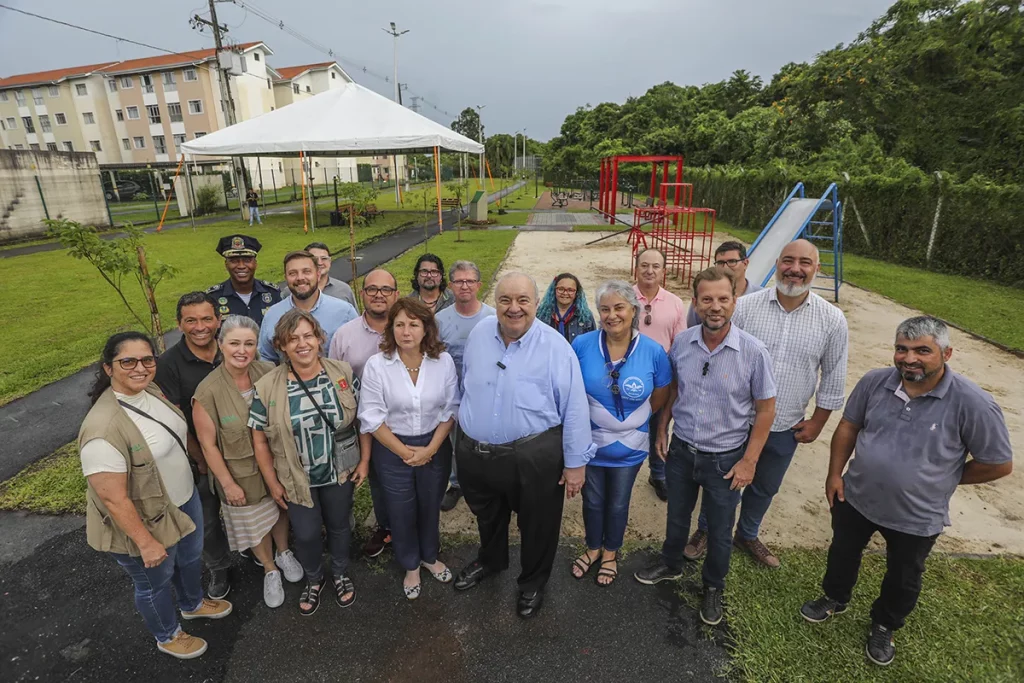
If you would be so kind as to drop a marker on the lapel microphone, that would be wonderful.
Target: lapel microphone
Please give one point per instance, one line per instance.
(502, 366)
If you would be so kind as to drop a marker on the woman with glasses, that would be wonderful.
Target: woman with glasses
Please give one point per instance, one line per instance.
(564, 307)
(407, 403)
(142, 505)
(627, 377)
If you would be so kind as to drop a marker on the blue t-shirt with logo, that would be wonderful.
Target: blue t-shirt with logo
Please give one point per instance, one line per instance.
(622, 438)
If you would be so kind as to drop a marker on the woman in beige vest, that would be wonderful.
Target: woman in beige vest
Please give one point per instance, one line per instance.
(220, 412)
(142, 506)
(301, 420)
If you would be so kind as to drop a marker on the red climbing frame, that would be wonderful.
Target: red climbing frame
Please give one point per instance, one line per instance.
(609, 181)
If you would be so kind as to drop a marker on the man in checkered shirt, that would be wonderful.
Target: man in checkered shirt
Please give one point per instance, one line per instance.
(807, 339)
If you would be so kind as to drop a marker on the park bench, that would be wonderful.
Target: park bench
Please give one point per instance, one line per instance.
(446, 203)
(371, 211)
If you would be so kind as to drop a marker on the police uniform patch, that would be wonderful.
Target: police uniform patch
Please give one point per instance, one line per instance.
(222, 301)
(266, 297)
(224, 310)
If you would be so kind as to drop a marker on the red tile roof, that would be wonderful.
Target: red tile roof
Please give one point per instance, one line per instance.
(50, 76)
(289, 72)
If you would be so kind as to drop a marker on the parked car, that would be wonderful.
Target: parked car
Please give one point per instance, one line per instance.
(126, 190)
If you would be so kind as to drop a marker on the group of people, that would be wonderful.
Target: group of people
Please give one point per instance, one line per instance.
(252, 433)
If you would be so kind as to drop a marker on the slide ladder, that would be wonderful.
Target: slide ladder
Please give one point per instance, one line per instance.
(818, 220)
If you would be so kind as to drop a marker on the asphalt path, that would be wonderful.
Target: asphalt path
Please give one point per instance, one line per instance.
(68, 615)
(38, 424)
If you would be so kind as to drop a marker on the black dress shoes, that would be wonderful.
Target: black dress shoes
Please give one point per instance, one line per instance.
(472, 574)
(529, 604)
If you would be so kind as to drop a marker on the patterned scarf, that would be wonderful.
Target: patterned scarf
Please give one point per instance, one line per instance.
(563, 320)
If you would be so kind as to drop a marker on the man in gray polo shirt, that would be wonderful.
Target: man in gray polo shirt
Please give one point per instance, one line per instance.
(912, 427)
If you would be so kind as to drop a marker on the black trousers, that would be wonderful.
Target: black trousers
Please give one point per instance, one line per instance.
(904, 564)
(526, 482)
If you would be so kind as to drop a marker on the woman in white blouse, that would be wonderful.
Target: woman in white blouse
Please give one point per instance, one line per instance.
(407, 401)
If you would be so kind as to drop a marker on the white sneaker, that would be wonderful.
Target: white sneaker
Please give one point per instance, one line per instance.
(289, 566)
(273, 591)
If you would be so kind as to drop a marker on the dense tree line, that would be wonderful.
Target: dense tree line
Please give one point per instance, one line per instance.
(932, 85)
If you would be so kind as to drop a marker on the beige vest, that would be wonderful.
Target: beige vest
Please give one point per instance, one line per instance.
(108, 421)
(273, 391)
(219, 396)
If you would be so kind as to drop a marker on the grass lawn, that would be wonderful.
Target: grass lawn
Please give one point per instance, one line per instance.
(61, 327)
(982, 307)
(968, 625)
(54, 485)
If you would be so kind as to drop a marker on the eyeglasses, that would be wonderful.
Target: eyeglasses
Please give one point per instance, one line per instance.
(464, 283)
(374, 290)
(429, 273)
(613, 378)
(130, 363)
(732, 263)
(647, 310)
(566, 291)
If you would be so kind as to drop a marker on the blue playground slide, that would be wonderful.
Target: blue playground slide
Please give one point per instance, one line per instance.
(818, 220)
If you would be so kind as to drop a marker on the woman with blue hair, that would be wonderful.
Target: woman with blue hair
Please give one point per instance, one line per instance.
(564, 307)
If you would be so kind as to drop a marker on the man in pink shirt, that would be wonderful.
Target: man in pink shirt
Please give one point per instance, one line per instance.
(664, 316)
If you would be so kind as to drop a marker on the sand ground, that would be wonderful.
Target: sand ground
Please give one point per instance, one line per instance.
(988, 518)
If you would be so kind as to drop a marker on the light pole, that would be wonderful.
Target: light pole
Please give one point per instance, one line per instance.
(522, 166)
(394, 157)
(480, 134)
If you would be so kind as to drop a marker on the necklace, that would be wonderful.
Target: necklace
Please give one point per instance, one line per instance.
(412, 369)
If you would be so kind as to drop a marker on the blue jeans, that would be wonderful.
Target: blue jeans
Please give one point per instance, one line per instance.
(771, 468)
(656, 464)
(254, 212)
(606, 504)
(686, 472)
(183, 568)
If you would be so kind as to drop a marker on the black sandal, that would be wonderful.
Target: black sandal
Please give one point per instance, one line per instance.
(344, 586)
(311, 596)
(578, 563)
(607, 572)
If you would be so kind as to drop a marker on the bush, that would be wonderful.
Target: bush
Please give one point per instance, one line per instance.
(207, 200)
(142, 196)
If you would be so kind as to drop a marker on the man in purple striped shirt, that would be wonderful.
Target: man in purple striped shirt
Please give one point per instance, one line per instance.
(723, 376)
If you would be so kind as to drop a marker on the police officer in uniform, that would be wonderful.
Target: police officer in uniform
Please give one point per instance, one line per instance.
(242, 293)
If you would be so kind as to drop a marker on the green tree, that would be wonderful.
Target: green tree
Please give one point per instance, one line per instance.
(468, 124)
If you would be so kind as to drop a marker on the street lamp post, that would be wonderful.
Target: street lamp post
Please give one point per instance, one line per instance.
(395, 33)
(480, 134)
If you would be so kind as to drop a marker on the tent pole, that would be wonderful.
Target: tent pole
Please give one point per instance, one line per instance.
(191, 198)
(437, 184)
(302, 169)
(167, 204)
(352, 242)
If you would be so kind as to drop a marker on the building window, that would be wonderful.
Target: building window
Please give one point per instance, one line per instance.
(60, 119)
(80, 90)
(174, 111)
(3, 126)
(296, 89)
(51, 146)
(147, 83)
(333, 75)
(88, 118)
(159, 144)
(195, 106)
(44, 123)
(127, 83)
(69, 147)
(307, 89)
(3, 96)
(256, 56)
(112, 84)
(12, 124)
(19, 97)
(245, 67)
(95, 145)
(19, 147)
(127, 144)
(190, 74)
(179, 140)
(133, 113)
(27, 122)
(37, 96)
(153, 111)
(140, 142)
(34, 146)
(119, 113)
(54, 91)
(199, 134)
(268, 85)
(170, 85)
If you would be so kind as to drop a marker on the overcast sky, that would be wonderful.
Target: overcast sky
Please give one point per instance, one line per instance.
(530, 62)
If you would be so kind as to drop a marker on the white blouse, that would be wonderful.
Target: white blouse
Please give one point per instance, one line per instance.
(388, 396)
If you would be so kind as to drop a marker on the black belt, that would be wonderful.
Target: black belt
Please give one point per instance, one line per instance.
(696, 451)
(500, 449)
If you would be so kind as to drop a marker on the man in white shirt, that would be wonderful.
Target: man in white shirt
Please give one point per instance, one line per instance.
(806, 338)
(455, 323)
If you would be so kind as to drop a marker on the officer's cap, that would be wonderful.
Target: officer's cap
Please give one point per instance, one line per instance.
(238, 245)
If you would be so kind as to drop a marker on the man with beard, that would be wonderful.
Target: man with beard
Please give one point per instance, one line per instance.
(429, 285)
(806, 337)
(722, 376)
(354, 343)
(913, 427)
(524, 434)
(178, 372)
(302, 275)
(242, 293)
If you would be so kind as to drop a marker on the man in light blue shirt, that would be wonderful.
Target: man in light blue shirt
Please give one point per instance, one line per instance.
(723, 378)
(524, 425)
(300, 271)
(454, 324)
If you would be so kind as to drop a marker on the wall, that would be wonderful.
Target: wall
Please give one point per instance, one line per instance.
(71, 187)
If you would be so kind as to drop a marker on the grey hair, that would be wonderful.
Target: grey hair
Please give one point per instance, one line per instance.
(922, 326)
(623, 289)
(517, 273)
(235, 322)
(463, 265)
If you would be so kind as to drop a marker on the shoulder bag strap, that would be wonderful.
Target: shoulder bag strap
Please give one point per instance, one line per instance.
(315, 404)
(128, 406)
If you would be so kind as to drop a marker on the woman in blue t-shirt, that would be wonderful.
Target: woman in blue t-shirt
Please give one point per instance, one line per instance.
(627, 376)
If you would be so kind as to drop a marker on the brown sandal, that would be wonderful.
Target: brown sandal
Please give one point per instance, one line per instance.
(583, 563)
(607, 572)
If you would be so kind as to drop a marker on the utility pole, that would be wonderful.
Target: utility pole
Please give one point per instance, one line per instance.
(480, 135)
(395, 33)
